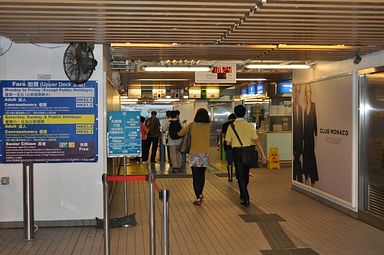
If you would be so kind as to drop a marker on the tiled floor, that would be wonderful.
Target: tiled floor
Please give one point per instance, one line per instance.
(279, 221)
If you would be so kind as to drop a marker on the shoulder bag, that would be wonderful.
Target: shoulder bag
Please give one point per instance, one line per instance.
(250, 155)
(185, 144)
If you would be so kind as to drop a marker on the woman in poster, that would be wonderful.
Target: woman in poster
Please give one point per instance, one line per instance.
(297, 135)
(310, 131)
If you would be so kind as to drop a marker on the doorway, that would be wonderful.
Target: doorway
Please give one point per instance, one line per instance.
(371, 148)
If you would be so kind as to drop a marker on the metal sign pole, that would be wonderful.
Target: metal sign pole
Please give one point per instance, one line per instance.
(152, 226)
(164, 195)
(28, 208)
(125, 188)
(106, 215)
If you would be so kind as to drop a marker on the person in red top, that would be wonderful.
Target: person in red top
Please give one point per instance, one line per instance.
(144, 143)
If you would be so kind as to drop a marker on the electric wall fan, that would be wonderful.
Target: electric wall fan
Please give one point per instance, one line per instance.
(79, 62)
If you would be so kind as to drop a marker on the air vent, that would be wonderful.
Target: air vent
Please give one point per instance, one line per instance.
(376, 200)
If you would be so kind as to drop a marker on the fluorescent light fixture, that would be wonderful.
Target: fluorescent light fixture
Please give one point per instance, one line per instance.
(276, 66)
(149, 85)
(125, 99)
(314, 47)
(153, 45)
(129, 102)
(177, 69)
(166, 100)
(185, 97)
(163, 79)
(251, 79)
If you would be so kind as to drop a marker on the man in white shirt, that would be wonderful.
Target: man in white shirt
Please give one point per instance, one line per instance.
(164, 133)
(248, 137)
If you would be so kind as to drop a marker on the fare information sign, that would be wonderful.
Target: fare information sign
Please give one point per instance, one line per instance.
(124, 136)
(48, 121)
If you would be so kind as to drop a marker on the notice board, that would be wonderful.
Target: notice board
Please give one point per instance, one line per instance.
(48, 121)
(124, 136)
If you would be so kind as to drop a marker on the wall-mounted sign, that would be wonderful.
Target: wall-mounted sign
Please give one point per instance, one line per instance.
(252, 89)
(124, 136)
(213, 93)
(177, 93)
(134, 93)
(220, 73)
(284, 87)
(159, 92)
(260, 88)
(194, 93)
(48, 121)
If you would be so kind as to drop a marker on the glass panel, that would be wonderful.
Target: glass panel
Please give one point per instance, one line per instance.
(372, 142)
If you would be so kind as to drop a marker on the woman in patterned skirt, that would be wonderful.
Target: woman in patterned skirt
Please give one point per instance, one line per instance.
(199, 151)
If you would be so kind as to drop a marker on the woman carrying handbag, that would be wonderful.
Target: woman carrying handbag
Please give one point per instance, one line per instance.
(241, 137)
(199, 150)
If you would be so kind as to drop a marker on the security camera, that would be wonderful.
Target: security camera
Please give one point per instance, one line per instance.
(357, 59)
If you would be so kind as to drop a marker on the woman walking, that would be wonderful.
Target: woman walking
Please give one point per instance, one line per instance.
(199, 151)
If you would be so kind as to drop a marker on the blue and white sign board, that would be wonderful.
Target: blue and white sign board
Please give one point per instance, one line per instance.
(260, 88)
(48, 121)
(252, 89)
(284, 87)
(124, 136)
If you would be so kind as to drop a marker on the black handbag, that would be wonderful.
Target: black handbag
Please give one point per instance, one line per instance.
(249, 154)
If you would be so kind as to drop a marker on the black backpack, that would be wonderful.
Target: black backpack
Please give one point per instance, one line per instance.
(174, 127)
(154, 127)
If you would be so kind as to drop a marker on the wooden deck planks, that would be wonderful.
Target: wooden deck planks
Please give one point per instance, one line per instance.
(213, 228)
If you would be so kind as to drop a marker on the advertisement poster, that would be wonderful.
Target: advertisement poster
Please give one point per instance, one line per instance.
(220, 73)
(322, 136)
(124, 136)
(48, 121)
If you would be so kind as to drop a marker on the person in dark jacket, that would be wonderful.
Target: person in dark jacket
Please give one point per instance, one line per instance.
(228, 148)
(153, 135)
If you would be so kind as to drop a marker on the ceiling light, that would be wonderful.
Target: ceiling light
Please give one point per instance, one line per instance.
(251, 79)
(155, 45)
(126, 99)
(166, 100)
(303, 46)
(129, 102)
(276, 66)
(163, 79)
(177, 69)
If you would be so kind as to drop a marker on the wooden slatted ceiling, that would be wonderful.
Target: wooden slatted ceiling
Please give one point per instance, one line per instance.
(208, 30)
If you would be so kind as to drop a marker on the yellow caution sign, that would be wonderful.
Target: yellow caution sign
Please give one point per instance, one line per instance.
(273, 158)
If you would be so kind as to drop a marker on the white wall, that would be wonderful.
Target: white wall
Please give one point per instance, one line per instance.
(187, 111)
(325, 71)
(62, 191)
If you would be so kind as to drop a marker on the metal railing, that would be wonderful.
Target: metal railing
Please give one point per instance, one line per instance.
(28, 203)
(164, 196)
